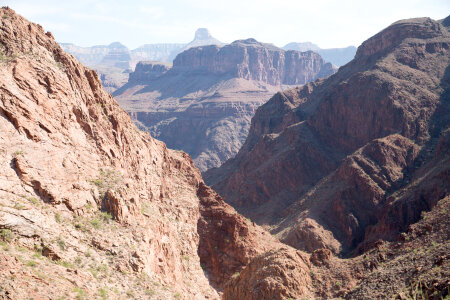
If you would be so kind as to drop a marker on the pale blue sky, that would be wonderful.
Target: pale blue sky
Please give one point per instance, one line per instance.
(328, 23)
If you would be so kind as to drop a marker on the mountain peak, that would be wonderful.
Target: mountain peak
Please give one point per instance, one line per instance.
(116, 45)
(202, 34)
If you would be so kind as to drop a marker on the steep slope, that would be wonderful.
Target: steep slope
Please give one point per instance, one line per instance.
(204, 103)
(89, 205)
(336, 56)
(343, 162)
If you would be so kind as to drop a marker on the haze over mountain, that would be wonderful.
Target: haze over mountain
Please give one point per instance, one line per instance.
(119, 56)
(91, 207)
(336, 56)
(115, 61)
(203, 105)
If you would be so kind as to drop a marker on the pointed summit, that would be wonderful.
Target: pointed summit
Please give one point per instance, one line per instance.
(202, 38)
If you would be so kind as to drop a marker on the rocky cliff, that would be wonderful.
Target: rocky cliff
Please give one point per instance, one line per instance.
(252, 60)
(204, 103)
(147, 71)
(345, 161)
(89, 205)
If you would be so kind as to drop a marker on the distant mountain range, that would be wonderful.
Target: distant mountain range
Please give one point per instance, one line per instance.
(115, 61)
(336, 56)
(118, 55)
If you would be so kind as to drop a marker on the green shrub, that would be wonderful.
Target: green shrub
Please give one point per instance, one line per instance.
(105, 216)
(31, 263)
(33, 201)
(96, 223)
(6, 235)
(58, 217)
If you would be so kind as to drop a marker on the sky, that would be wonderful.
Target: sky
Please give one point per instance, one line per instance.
(327, 23)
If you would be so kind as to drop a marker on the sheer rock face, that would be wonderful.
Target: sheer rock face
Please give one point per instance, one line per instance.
(203, 105)
(69, 152)
(252, 60)
(355, 157)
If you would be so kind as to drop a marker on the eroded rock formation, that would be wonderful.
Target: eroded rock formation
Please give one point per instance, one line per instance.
(203, 105)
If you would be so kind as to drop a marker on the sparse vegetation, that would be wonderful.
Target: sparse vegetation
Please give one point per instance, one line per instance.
(33, 201)
(78, 260)
(6, 235)
(18, 206)
(109, 179)
(88, 253)
(31, 263)
(96, 223)
(130, 293)
(186, 257)
(145, 209)
(103, 293)
(6, 58)
(61, 243)
(65, 264)
(105, 216)
(58, 217)
(81, 294)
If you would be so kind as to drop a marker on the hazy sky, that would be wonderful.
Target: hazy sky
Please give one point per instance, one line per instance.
(328, 23)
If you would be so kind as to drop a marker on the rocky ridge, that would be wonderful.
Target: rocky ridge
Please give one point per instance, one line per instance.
(217, 91)
(364, 142)
(89, 205)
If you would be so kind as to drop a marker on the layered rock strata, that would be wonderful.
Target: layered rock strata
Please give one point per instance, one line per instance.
(204, 103)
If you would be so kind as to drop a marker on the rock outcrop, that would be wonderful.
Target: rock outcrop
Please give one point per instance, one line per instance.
(147, 71)
(89, 205)
(345, 161)
(204, 103)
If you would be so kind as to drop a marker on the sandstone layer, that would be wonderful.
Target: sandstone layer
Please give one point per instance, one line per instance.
(204, 103)
(345, 161)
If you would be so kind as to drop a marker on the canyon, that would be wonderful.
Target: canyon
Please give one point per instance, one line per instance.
(356, 203)
(203, 104)
(342, 162)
